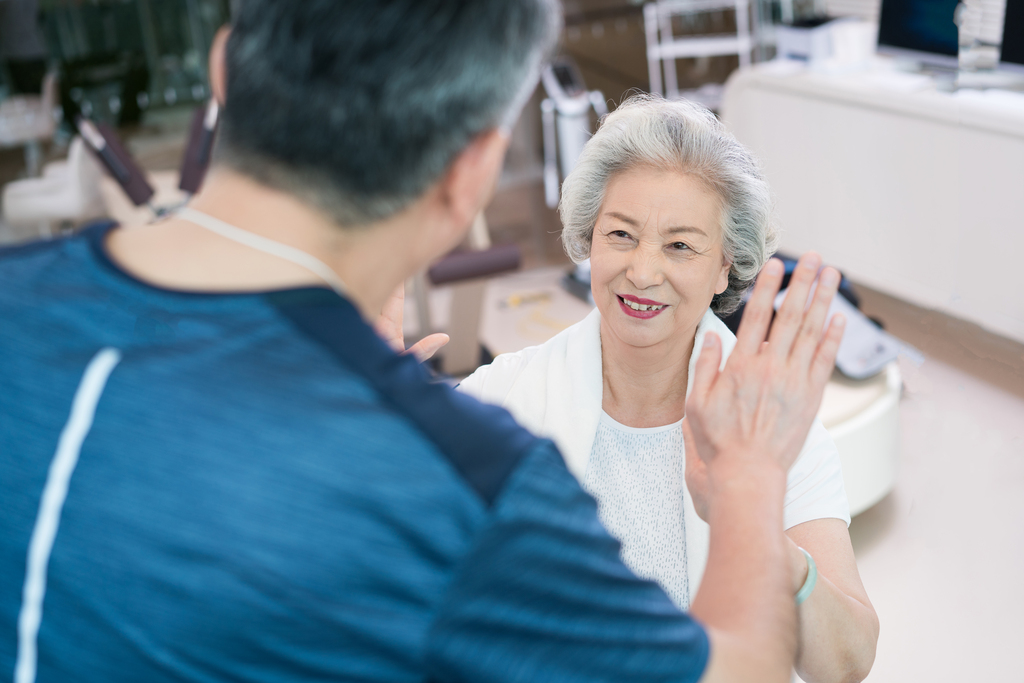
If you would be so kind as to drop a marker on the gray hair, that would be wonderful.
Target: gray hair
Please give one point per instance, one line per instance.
(358, 107)
(647, 130)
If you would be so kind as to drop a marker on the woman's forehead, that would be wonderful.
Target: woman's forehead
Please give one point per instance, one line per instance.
(664, 201)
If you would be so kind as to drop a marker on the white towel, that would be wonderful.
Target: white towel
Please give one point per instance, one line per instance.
(555, 391)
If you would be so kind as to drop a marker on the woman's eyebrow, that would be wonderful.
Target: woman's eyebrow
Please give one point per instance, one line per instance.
(685, 228)
(624, 218)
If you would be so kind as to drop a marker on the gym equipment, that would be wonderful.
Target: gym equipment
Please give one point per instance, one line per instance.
(567, 111)
(68, 193)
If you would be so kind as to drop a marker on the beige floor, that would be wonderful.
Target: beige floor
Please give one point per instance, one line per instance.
(943, 556)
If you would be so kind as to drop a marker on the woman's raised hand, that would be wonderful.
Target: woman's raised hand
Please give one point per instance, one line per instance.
(389, 327)
(761, 406)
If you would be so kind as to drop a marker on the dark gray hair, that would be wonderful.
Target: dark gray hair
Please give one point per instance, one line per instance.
(358, 107)
(646, 130)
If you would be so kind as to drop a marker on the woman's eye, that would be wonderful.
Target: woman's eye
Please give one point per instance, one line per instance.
(621, 234)
(680, 246)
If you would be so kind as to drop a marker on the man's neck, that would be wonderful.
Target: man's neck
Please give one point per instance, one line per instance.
(645, 387)
(178, 254)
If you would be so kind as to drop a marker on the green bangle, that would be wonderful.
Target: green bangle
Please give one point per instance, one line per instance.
(810, 581)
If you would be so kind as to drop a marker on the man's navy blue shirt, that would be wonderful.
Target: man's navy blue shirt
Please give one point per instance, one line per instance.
(268, 493)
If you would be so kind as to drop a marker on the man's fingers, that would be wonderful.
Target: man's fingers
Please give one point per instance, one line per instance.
(810, 334)
(394, 307)
(428, 346)
(791, 313)
(757, 314)
(389, 324)
(825, 358)
(386, 330)
(706, 370)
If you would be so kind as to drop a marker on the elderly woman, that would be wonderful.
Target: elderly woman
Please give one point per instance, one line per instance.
(675, 218)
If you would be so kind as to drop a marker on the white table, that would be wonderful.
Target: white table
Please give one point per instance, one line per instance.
(910, 190)
(520, 309)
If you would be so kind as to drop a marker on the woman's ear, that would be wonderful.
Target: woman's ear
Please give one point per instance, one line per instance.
(218, 64)
(723, 276)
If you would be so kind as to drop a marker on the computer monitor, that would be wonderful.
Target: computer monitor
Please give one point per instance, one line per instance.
(1011, 56)
(920, 30)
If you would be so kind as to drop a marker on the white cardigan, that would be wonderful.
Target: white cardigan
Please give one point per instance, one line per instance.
(555, 390)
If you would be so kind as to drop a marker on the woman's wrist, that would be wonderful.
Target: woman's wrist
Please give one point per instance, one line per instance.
(798, 566)
(810, 582)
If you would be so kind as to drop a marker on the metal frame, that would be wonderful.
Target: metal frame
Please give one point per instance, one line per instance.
(663, 48)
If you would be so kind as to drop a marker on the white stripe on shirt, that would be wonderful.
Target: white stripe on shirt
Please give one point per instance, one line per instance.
(83, 409)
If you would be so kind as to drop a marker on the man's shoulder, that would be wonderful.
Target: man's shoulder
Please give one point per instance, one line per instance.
(36, 270)
(482, 442)
(19, 259)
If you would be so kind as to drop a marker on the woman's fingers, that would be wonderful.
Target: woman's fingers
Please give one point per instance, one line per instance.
(696, 474)
(791, 313)
(813, 326)
(757, 314)
(428, 346)
(825, 357)
(706, 369)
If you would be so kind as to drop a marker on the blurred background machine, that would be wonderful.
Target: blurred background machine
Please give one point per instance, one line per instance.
(1011, 57)
(566, 117)
(118, 58)
(920, 31)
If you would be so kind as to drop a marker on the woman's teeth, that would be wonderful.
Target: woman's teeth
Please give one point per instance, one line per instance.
(642, 307)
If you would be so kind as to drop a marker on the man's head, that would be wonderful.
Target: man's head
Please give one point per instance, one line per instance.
(357, 108)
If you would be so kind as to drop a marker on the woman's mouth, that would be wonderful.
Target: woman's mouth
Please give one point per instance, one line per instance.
(640, 308)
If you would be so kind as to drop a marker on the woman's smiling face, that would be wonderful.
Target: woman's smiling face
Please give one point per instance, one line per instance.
(656, 257)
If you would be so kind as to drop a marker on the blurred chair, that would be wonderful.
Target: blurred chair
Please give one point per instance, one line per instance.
(68, 193)
(27, 120)
(467, 273)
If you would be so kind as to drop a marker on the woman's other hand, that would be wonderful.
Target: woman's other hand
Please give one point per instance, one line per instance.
(696, 477)
(389, 327)
(760, 407)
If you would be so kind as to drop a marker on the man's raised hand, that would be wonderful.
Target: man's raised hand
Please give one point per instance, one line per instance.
(761, 406)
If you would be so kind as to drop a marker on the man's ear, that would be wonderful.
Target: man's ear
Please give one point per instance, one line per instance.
(469, 184)
(218, 64)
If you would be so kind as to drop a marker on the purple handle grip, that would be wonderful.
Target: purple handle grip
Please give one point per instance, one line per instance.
(469, 265)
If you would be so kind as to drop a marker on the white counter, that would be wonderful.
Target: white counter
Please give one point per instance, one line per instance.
(910, 190)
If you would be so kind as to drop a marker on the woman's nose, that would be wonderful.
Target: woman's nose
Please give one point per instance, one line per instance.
(644, 270)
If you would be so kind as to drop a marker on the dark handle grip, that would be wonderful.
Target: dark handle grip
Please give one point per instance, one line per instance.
(469, 265)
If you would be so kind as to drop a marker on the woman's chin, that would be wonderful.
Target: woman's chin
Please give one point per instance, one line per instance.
(640, 332)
